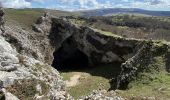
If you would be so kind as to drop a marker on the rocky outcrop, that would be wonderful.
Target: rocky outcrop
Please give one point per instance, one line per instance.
(8, 60)
(102, 95)
(35, 44)
(146, 60)
(19, 73)
(98, 47)
(53, 33)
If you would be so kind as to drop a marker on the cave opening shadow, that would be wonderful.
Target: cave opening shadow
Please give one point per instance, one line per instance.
(68, 58)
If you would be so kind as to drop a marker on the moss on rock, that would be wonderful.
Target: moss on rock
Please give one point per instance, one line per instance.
(26, 88)
(149, 60)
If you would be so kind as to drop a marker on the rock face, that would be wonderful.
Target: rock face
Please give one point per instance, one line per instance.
(144, 61)
(98, 47)
(56, 32)
(53, 34)
(19, 73)
(33, 44)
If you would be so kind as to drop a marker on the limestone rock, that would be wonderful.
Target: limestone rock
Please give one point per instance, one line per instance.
(101, 95)
(18, 70)
(142, 61)
(9, 96)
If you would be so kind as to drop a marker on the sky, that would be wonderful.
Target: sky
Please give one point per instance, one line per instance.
(72, 5)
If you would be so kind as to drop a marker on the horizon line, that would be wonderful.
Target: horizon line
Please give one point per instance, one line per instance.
(86, 9)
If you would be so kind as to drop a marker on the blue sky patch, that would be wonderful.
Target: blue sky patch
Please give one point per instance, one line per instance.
(72, 5)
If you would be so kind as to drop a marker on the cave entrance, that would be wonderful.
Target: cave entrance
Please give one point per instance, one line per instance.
(73, 65)
(68, 57)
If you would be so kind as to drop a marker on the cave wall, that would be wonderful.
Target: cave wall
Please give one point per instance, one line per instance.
(53, 32)
(98, 47)
(69, 57)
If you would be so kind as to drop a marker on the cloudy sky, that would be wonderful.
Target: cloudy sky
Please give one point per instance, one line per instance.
(88, 4)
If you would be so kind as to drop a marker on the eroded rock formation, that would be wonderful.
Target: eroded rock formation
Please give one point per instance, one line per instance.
(25, 57)
(98, 47)
(151, 58)
(57, 33)
(23, 71)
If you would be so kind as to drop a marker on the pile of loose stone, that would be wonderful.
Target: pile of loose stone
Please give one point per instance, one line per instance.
(102, 95)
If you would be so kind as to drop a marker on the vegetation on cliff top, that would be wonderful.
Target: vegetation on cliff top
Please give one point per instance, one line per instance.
(130, 26)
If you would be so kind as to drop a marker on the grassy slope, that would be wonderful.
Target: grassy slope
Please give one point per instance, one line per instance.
(150, 84)
(131, 26)
(157, 86)
(27, 17)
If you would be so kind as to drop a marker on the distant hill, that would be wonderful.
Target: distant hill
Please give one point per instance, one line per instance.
(26, 17)
(111, 11)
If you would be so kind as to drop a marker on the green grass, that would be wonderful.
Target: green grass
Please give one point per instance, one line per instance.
(77, 22)
(89, 84)
(107, 33)
(159, 87)
(93, 79)
(66, 75)
(25, 17)
(59, 13)
(154, 82)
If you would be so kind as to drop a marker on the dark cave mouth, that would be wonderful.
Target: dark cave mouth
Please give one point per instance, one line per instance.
(69, 59)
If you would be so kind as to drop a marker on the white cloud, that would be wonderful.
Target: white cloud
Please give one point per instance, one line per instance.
(152, 4)
(88, 4)
(85, 4)
(39, 1)
(15, 3)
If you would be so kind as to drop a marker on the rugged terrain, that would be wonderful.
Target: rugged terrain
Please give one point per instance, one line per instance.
(113, 11)
(31, 55)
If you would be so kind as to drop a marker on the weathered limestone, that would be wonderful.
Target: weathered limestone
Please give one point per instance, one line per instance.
(143, 61)
(54, 32)
(15, 67)
(98, 47)
(8, 95)
(102, 95)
